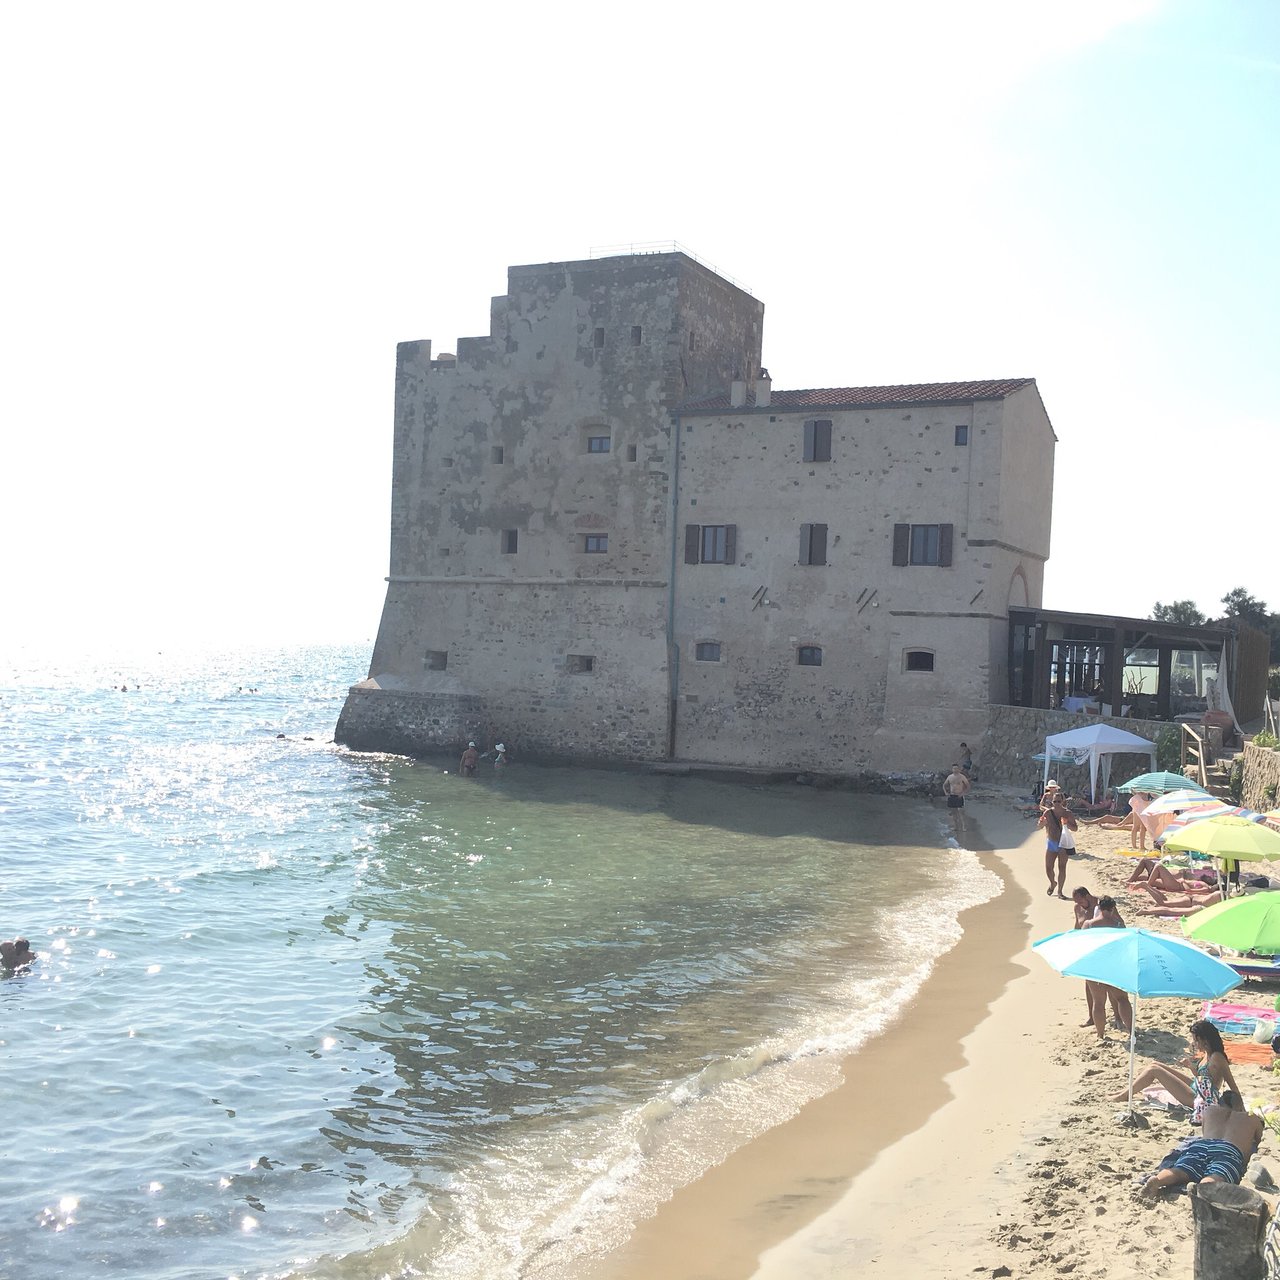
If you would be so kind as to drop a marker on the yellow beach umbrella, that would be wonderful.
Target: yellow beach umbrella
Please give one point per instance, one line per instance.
(1240, 839)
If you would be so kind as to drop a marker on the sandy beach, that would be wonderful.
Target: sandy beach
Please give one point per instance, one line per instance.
(974, 1137)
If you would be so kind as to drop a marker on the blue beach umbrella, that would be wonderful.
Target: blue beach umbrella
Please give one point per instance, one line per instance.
(1139, 962)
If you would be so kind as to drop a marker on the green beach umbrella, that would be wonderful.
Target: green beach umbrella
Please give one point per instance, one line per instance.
(1227, 836)
(1251, 923)
(1157, 784)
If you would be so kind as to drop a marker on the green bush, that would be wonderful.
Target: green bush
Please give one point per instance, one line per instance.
(1265, 739)
(1236, 782)
(1169, 749)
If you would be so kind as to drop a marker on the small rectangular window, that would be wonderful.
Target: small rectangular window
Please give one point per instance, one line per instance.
(924, 544)
(635, 335)
(919, 660)
(598, 444)
(436, 659)
(707, 651)
(448, 462)
(809, 655)
(595, 544)
(817, 440)
(496, 454)
(692, 341)
(579, 664)
(598, 337)
(510, 540)
(962, 434)
(631, 453)
(713, 548)
(813, 544)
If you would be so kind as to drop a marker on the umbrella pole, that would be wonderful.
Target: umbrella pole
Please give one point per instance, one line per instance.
(1133, 1044)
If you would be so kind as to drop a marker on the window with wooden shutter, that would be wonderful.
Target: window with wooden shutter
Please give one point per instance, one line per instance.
(817, 440)
(710, 543)
(901, 543)
(944, 544)
(813, 544)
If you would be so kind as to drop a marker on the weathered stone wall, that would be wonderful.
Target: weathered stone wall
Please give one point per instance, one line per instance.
(1261, 771)
(1015, 734)
(417, 724)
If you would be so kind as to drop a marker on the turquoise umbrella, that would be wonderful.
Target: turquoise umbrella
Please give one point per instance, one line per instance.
(1157, 784)
(1139, 962)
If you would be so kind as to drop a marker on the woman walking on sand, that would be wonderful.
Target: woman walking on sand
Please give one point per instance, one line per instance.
(1058, 822)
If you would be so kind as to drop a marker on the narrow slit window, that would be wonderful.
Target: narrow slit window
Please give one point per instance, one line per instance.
(496, 454)
(598, 338)
(510, 541)
(631, 453)
(635, 335)
(962, 434)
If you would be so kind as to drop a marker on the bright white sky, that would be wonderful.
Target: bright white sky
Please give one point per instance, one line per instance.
(220, 219)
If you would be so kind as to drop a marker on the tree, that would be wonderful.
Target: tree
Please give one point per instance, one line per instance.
(1246, 608)
(1182, 612)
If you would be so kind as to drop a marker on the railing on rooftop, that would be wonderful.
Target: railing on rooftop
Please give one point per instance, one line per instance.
(663, 246)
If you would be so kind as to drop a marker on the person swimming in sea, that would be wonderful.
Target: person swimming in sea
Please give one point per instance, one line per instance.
(16, 954)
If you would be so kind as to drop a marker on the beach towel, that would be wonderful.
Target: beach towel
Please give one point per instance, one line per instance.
(1236, 1019)
(1239, 1051)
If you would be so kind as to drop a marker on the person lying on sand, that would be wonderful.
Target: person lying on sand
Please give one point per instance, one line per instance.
(1207, 1058)
(1164, 881)
(1171, 901)
(1150, 872)
(1231, 1136)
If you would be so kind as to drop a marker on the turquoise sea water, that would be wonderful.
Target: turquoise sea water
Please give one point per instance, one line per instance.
(305, 1013)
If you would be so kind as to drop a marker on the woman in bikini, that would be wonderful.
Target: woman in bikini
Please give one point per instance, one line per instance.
(1210, 1072)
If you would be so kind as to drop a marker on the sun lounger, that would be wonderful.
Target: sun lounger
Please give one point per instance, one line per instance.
(1263, 970)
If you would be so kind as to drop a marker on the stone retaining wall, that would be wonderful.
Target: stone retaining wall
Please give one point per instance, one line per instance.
(1261, 771)
(1015, 734)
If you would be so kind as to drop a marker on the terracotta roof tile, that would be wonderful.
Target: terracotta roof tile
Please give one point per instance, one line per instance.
(869, 397)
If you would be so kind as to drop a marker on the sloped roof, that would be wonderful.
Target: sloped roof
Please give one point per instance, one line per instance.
(869, 397)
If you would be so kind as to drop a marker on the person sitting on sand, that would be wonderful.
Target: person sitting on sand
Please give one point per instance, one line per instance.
(1210, 1069)
(1231, 1136)
(16, 954)
(1098, 994)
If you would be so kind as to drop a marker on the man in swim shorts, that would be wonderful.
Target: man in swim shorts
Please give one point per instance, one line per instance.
(1231, 1136)
(955, 788)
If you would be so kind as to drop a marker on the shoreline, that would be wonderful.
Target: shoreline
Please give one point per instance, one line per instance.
(973, 1134)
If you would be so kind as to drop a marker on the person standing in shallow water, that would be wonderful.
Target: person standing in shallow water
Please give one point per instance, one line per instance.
(470, 757)
(499, 757)
(955, 788)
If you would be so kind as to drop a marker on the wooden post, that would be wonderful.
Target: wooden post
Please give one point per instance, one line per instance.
(1230, 1227)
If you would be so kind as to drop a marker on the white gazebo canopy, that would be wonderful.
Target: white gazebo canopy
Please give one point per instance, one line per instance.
(1096, 742)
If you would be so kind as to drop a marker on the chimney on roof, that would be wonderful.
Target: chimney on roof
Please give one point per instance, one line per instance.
(764, 389)
(737, 393)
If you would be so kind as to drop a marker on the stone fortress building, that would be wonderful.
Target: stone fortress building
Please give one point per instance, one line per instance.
(612, 540)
